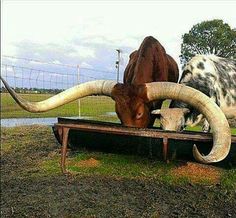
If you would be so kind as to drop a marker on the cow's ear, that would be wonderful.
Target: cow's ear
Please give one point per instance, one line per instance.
(117, 91)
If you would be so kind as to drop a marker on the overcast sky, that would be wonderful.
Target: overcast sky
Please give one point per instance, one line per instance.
(87, 33)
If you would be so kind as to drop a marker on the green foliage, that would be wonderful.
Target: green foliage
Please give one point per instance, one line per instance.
(209, 37)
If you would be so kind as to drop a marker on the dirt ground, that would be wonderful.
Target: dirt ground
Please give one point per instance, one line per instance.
(28, 192)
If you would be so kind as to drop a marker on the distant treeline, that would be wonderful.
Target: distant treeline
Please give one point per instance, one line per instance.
(33, 90)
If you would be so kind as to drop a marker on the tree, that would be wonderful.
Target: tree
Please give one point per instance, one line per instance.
(209, 37)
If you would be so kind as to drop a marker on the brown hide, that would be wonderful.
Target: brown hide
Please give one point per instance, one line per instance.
(149, 63)
(173, 70)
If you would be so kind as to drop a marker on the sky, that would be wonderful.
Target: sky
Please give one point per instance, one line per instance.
(87, 33)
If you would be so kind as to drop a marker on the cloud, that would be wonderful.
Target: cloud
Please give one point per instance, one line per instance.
(81, 52)
(86, 65)
(9, 49)
(7, 70)
(88, 33)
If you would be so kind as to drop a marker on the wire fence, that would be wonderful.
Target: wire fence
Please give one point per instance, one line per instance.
(35, 80)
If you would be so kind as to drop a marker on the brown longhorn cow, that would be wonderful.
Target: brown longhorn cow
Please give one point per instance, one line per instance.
(149, 63)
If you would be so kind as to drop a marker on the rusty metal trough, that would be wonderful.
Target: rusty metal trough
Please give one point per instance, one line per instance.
(76, 132)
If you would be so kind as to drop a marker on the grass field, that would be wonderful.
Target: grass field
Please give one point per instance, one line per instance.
(84, 162)
(105, 184)
(95, 107)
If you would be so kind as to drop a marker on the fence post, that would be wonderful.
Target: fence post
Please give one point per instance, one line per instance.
(78, 81)
(118, 65)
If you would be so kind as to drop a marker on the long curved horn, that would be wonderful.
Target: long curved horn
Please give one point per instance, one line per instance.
(97, 87)
(214, 115)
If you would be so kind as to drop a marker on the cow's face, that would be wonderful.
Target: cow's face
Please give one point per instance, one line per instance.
(172, 119)
(131, 106)
(133, 114)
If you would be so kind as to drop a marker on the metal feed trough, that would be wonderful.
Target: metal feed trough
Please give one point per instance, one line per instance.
(76, 132)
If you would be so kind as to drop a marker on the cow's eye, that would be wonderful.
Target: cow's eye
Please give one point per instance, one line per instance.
(139, 115)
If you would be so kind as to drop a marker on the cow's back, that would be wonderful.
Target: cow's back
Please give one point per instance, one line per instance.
(173, 70)
(129, 70)
(214, 76)
(150, 64)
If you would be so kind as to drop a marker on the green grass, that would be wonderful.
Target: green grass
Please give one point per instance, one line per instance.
(117, 165)
(228, 179)
(233, 131)
(132, 166)
(93, 106)
(199, 129)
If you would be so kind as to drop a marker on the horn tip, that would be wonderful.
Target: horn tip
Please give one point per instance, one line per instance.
(197, 156)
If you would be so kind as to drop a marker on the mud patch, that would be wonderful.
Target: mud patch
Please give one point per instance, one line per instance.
(197, 173)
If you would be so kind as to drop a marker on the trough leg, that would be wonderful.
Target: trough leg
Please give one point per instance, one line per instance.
(60, 133)
(150, 147)
(65, 133)
(165, 149)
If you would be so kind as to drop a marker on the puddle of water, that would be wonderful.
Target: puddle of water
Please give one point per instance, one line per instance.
(49, 121)
(31, 121)
(111, 113)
